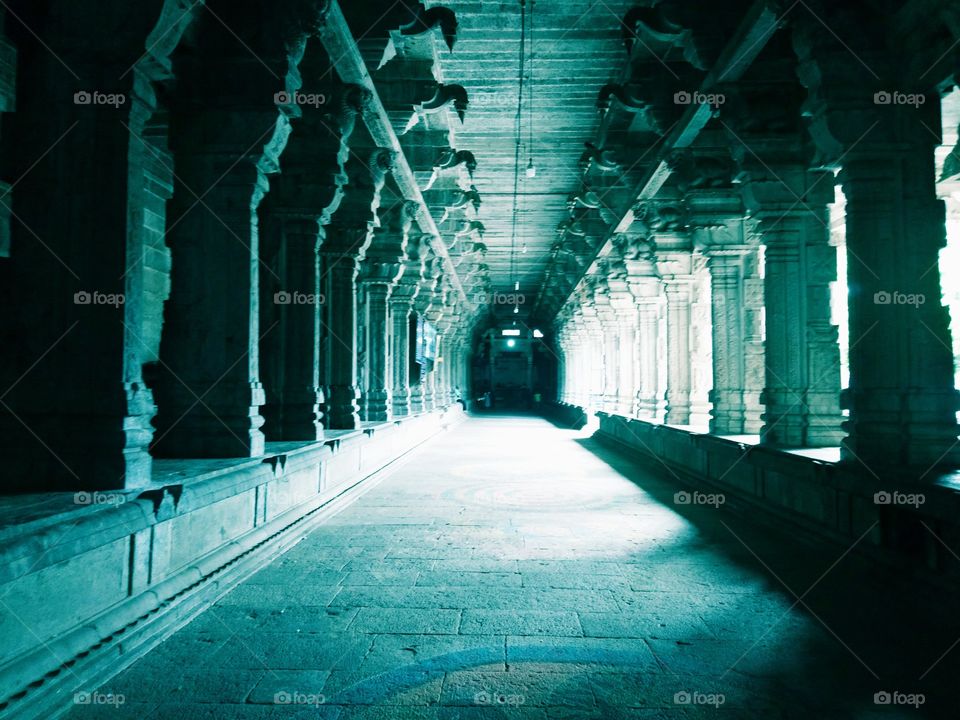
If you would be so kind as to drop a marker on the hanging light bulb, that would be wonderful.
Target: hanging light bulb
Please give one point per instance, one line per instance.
(531, 169)
(516, 309)
(524, 248)
(516, 285)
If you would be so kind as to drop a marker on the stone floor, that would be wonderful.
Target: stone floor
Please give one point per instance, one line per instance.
(513, 569)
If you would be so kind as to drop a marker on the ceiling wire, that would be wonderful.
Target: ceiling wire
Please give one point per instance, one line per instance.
(518, 137)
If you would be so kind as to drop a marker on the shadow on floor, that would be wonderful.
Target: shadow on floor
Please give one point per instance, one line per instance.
(882, 636)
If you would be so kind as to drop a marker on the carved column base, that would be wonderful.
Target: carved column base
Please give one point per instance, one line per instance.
(401, 403)
(344, 408)
(678, 408)
(908, 429)
(301, 418)
(378, 406)
(728, 414)
(213, 429)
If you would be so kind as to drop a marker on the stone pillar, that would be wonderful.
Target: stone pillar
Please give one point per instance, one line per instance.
(594, 350)
(291, 347)
(302, 199)
(701, 345)
(626, 402)
(227, 133)
(348, 237)
(753, 347)
(644, 285)
(901, 398)
(82, 291)
(434, 313)
(610, 348)
(419, 389)
(676, 271)
(725, 264)
(375, 400)
(381, 269)
(802, 392)
(584, 361)
(8, 103)
(401, 308)
(650, 402)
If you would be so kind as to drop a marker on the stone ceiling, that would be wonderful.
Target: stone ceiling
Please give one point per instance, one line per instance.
(577, 48)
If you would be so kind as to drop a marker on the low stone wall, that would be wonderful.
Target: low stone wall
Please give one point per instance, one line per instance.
(907, 525)
(566, 415)
(85, 593)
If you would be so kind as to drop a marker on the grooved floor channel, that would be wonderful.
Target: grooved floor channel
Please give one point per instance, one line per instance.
(517, 570)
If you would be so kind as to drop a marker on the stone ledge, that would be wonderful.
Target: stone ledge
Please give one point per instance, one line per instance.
(133, 573)
(563, 414)
(825, 499)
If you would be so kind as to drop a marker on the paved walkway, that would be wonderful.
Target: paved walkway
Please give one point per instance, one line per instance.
(512, 569)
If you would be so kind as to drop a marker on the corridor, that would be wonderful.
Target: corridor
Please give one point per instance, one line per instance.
(511, 568)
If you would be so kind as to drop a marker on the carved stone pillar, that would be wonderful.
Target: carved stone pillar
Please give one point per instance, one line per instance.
(651, 404)
(291, 350)
(381, 269)
(726, 285)
(610, 345)
(753, 345)
(82, 291)
(419, 389)
(594, 350)
(901, 398)
(644, 286)
(802, 392)
(227, 133)
(701, 344)
(348, 237)
(434, 312)
(676, 270)
(401, 307)
(301, 202)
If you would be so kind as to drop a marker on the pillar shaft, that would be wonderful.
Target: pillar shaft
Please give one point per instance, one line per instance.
(377, 405)
(802, 392)
(729, 336)
(400, 356)
(342, 268)
(901, 397)
(291, 351)
(679, 293)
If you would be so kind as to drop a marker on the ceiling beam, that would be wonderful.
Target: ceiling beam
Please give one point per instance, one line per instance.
(342, 48)
(759, 25)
